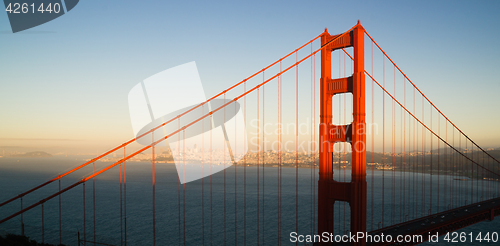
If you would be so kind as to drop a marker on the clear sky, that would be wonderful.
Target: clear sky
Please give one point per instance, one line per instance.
(65, 83)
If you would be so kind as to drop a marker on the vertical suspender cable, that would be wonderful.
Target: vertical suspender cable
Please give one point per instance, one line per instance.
(153, 179)
(258, 168)
(235, 179)
(339, 156)
(314, 144)
(60, 217)
(296, 145)
(414, 154)
(203, 177)
(279, 160)
(93, 196)
(373, 145)
(404, 151)
(124, 195)
(43, 225)
(84, 217)
(345, 122)
(477, 178)
(245, 174)
(310, 146)
(263, 165)
(458, 184)
(179, 181)
(453, 180)
(439, 165)
(452, 166)
(392, 150)
(121, 209)
(383, 143)
(22, 221)
(423, 159)
(341, 230)
(280, 147)
(446, 160)
(211, 190)
(489, 187)
(472, 174)
(183, 185)
(467, 196)
(224, 160)
(430, 177)
(402, 167)
(417, 188)
(482, 181)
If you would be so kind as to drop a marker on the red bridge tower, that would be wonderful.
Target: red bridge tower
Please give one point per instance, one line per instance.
(329, 190)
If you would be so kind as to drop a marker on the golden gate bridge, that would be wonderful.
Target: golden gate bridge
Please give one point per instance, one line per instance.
(417, 175)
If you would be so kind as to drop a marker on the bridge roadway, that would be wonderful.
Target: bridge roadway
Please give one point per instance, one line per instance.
(447, 221)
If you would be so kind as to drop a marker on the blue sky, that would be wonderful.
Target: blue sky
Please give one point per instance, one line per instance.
(65, 83)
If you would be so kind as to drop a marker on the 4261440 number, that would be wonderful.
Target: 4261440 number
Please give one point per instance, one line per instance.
(462, 237)
(24, 8)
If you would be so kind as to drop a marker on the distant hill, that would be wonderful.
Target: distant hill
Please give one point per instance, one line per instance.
(36, 154)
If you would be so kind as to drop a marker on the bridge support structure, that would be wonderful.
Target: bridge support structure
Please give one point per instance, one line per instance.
(329, 190)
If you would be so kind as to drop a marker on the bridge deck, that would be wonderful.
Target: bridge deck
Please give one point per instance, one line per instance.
(447, 221)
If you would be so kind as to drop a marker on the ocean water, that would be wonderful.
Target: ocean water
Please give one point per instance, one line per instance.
(241, 205)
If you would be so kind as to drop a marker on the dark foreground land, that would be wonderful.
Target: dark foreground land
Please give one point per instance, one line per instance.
(18, 240)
